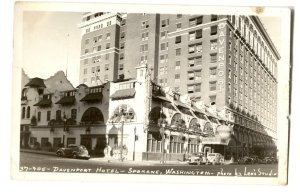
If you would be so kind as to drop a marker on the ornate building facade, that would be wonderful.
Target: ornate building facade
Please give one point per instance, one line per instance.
(133, 119)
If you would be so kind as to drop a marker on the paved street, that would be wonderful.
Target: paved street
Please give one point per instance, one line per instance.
(30, 162)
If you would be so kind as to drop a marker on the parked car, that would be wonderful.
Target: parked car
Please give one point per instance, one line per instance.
(246, 160)
(270, 160)
(215, 158)
(74, 151)
(197, 158)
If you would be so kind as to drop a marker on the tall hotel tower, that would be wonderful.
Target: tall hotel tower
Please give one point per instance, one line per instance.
(226, 61)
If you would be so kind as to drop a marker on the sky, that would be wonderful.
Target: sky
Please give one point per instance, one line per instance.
(48, 48)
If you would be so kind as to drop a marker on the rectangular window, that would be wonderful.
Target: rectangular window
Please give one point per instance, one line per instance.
(229, 87)
(107, 45)
(213, 57)
(121, 56)
(163, 34)
(100, 38)
(198, 60)
(196, 21)
(144, 48)
(213, 44)
(145, 24)
(145, 36)
(93, 70)
(191, 76)
(177, 76)
(121, 67)
(213, 30)
(73, 114)
(199, 48)
(178, 51)
(99, 48)
(197, 75)
(86, 51)
(213, 86)
(178, 16)
(85, 71)
(48, 115)
(192, 36)
(106, 67)
(191, 62)
(177, 65)
(212, 72)
(106, 77)
(214, 17)
(122, 35)
(197, 88)
(107, 56)
(190, 88)
(178, 39)
(199, 34)
(86, 61)
(107, 36)
(178, 26)
(164, 46)
(165, 23)
(192, 49)
(229, 73)
(122, 45)
(213, 99)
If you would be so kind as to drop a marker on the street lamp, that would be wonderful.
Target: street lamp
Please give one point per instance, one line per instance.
(162, 122)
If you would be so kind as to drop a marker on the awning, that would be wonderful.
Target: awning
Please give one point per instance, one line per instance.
(214, 141)
(161, 98)
(179, 104)
(92, 97)
(44, 103)
(123, 94)
(67, 100)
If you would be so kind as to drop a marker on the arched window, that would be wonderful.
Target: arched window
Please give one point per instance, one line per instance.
(23, 112)
(92, 115)
(28, 112)
(176, 119)
(194, 125)
(208, 129)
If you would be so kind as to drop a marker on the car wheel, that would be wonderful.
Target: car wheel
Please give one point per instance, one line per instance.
(74, 156)
(59, 154)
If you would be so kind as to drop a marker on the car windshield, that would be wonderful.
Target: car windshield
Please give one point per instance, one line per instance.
(211, 154)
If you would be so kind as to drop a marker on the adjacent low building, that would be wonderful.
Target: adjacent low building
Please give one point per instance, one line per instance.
(133, 119)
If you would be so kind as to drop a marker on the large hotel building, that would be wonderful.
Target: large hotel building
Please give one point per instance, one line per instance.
(211, 78)
(228, 61)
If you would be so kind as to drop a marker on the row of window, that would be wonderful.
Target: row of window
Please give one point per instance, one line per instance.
(95, 49)
(192, 21)
(95, 79)
(48, 114)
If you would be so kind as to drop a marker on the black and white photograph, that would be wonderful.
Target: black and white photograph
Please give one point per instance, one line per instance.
(135, 91)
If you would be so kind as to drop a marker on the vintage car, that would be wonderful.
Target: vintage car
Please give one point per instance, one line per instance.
(74, 151)
(215, 158)
(196, 159)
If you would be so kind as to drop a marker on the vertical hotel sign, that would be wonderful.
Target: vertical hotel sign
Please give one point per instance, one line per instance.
(221, 55)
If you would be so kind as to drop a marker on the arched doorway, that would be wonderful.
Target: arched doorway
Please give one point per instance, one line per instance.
(95, 143)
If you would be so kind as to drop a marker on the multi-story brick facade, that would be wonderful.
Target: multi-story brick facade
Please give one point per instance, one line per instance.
(226, 61)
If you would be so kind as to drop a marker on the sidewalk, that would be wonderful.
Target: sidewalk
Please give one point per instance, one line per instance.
(108, 160)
